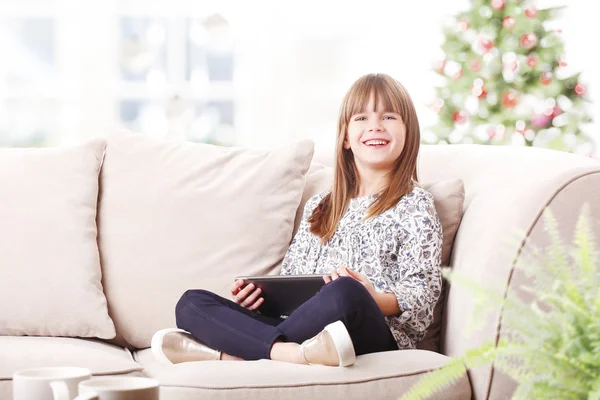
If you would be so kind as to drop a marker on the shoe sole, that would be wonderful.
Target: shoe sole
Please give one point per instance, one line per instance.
(157, 342)
(342, 342)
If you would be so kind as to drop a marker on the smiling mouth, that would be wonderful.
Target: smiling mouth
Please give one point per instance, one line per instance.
(376, 144)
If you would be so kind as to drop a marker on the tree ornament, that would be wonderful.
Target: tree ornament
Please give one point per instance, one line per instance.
(460, 117)
(541, 120)
(528, 40)
(546, 78)
(439, 65)
(437, 105)
(580, 89)
(478, 89)
(532, 61)
(561, 62)
(475, 65)
(509, 99)
(511, 66)
(521, 127)
(486, 45)
(463, 25)
(497, 4)
(555, 111)
(531, 12)
(508, 22)
(457, 75)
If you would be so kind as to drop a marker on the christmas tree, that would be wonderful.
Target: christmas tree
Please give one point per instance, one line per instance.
(505, 80)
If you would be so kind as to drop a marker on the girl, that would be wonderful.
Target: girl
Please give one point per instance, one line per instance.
(376, 232)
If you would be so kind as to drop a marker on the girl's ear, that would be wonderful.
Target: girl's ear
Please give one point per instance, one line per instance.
(346, 143)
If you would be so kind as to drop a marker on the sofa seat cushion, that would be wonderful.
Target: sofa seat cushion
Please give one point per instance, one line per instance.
(384, 375)
(23, 352)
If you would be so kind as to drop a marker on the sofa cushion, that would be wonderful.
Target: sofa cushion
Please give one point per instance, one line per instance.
(449, 198)
(384, 375)
(50, 279)
(175, 216)
(22, 352)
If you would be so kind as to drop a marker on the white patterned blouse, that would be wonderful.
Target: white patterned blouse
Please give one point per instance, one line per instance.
(400, 251)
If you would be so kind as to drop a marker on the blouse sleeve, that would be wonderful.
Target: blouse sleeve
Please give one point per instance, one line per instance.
(415, 278)
(294, 261)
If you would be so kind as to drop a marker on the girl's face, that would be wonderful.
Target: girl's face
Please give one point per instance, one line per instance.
(383, 127)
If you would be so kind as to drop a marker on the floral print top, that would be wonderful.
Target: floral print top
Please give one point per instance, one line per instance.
(400, 251)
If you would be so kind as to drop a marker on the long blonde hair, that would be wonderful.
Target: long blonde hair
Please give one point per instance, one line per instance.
(346, 181)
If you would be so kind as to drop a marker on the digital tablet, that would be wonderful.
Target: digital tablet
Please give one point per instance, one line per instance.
(284, 293)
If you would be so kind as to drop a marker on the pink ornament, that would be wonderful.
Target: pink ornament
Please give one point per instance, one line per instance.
(580, 89)
(531, 12)
(479, 91)
(508, 22)
(475, 66)
(532, 61)
(486, 45)
(462, 25)
(556, 111)
(511, 66)
(528, 40)
(561, 62)
(460, 117)
(509, 99)
(541, 120)
(497, 4)
(457, 75)
(439, 65)
(546, 78)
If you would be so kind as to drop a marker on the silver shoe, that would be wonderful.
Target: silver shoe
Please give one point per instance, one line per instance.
(173, 346)
(332, 347)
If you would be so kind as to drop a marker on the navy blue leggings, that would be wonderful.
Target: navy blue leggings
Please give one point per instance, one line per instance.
(226, 326)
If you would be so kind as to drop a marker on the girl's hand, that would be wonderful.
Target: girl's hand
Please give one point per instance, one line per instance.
(345, 271)
(246, 297)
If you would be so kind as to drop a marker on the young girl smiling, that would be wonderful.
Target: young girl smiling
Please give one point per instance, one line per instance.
(376, 233)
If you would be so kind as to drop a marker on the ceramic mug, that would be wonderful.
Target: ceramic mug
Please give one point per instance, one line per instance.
(118, 388)
(40, 383)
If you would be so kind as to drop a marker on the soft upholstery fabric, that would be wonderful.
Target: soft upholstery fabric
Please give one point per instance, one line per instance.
(449, 199)
(22, 352)
(448, 196)
(19, 352)
(384, 375)
(175, 216)
(506, 190)
(50, 280)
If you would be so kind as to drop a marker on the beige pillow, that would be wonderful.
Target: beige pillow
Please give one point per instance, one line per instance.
(449, 198)
(175, 216)
(50, 281)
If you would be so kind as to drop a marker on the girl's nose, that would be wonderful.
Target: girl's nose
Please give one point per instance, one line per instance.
(376, 127)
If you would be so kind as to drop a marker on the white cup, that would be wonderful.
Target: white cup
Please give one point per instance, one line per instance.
(118, 388)
(40, 383)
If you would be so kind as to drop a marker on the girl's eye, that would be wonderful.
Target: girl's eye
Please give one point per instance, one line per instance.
(360, 118)
(391, 116)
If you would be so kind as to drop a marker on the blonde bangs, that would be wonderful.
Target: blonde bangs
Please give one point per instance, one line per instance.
(391, 95)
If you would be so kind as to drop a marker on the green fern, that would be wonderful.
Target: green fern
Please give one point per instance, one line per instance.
(552, 345)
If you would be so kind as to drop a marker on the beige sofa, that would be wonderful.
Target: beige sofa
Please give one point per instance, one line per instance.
(506, 188)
